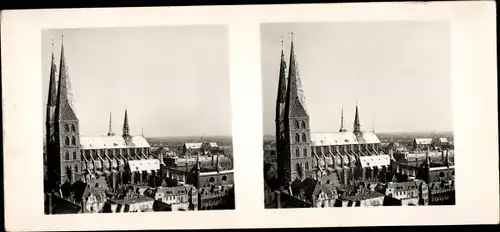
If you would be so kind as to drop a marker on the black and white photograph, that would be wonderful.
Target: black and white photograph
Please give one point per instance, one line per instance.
(387, 110)
(137, 120)
(365, 121)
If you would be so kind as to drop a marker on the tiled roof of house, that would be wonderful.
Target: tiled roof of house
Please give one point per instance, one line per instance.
(360, 197)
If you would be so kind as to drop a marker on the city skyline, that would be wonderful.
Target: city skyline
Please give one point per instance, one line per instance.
(393, 57)
(129, 68)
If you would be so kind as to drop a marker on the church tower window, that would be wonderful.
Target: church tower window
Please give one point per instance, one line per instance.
(307, 166)
(297, 138)
(73, 128)
(305, 152)
(66, 141)
(304, 138)
(297, 152)
(66, 155)
(303, 125)
(66, 128)
(74, 155)
(73, 140)
(297, 125)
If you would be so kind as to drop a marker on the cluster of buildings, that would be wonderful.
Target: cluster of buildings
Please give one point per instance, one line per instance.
(348, 168)
(122, 173)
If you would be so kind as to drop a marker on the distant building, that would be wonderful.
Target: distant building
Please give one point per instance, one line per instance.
(422, 143)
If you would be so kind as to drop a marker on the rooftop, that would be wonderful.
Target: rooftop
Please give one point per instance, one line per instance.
(129, 201)
(361, 197)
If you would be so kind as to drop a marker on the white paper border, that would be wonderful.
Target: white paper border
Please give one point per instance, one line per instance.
(474, 100)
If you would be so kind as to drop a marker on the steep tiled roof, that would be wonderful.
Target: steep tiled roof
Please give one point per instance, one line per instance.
(144, 165)
(343, 138)
(106, 142)
(375, 161)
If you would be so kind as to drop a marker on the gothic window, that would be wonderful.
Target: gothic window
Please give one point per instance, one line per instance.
(297, 137)
(297, 151)
(307, 166)
(76, 168)
(73, 128)
(74, 155)
(211, 180)
(303, 125)
(224, 178)
(66, 155)
(73, 140)
(297, 125)
(66, 128)
(66, 141)
(304, 138)
(305, 152)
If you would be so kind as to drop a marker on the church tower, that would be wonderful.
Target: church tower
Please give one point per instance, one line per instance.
(297, 161)
(67, 137)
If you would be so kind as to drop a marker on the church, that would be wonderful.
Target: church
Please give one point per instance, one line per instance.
(343, 158)
(121, 159)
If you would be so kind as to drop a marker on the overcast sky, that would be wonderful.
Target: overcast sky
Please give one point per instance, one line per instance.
(174, 81)
(398, 71)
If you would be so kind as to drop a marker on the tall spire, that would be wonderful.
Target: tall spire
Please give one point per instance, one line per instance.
(357, 125)
(126, 129)
(295, 93)
(52, 99)
(282, 77)
(342, 129)
(110, 130)
(65, 102)
(281, 98)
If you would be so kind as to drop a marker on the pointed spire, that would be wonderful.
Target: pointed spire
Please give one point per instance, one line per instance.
(52, 98)
(342, 122)
(282, 78)
(357, 125)
(295, 93)
(126, 129)
(110, 129)
(65, 95)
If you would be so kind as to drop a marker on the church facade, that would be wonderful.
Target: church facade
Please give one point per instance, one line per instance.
(346, 156)
(124, 159)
